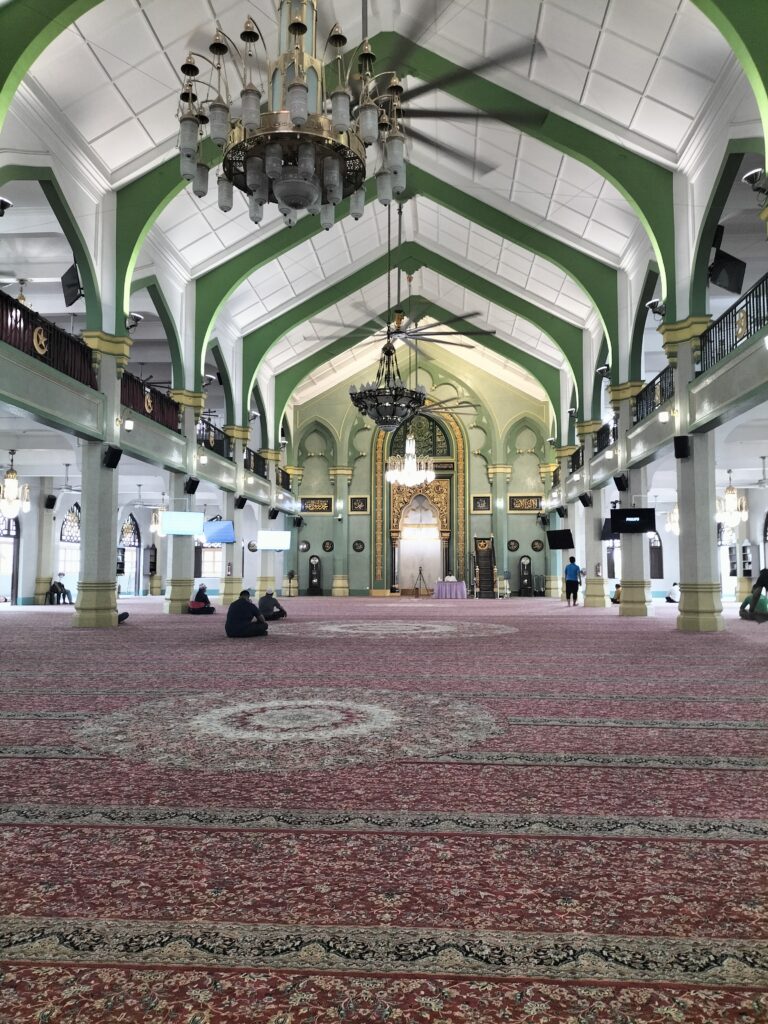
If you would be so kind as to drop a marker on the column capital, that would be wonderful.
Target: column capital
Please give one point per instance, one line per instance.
(194, 400)
(587, 427)
(628, 390)
(547, 472)
(270, 454)
(566, 451)
(340, 471)
(294, 472)
(498, 470)
(110, 345)
(237, 433)
(680, 333)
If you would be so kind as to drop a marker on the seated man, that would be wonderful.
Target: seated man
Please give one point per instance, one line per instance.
(201, 603)
(751, 607)
(59, 591)
(244, 618)
(616, 596)
(271, 608)
(673, 597)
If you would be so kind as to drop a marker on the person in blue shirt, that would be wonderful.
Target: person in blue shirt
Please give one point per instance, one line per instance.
(572, 581)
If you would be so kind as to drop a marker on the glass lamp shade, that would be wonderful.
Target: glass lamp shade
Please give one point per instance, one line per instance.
(218, 112)
(293, 191)
(225, 194)
(290, 217)
(357, 204)
(255, 209)
(254, 172)
(327, 216)
(250, 111)
(384, 186)
(274, 160)
(340, 119)
(306, 160)
(298, 96)
(368, 123)
(200, 186)
(188, 166)
(394, 148)
(398, 181)
(188, 129)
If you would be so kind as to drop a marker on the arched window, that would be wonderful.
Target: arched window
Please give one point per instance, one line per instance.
(70, 528)
(431, 439)
(129, 557)
(9, 527)
(130, 537)
(656, 553)
(69, 548)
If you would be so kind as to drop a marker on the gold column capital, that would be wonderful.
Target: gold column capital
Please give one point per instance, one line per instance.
(587, 427)
(270, 454)
(194, 400)
(236, 432)
(340, 471)
(498, 470)
(111, 345)
(680, 333)
(566, 451)
(547, 472)
(294, 472)
(629, 389)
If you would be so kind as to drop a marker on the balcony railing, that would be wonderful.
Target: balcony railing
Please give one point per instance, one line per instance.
(745, 318)
(282, 479)
(654, 394)
(31, 333)
(149, 402)
(576, 461)
(254, 463)
(556, 477)
(214, 439)
(605, 437)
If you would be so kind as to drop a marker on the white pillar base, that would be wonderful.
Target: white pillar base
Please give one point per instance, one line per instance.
(263, 584)
(230, 587)
(178, 594)
(636, 598)
(553, 587)
(596, 593)
(340, 586)
(96, 605)
(701, 608)
(155, 586)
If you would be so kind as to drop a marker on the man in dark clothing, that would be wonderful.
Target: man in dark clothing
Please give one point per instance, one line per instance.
(761, 583)
(201, 603)
(244, 618)
(270, 607)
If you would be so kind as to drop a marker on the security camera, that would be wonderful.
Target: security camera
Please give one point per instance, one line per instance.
(551, 440)
(657, 307)
(756, 180)
(604, 370)
(5, 204)
(339, 517)
(132, 321)
(572, 411)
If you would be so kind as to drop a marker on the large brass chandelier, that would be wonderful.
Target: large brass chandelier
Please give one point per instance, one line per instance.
(296, 151)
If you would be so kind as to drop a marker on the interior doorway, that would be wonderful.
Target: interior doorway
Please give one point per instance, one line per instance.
(9, 559)
(420, 548)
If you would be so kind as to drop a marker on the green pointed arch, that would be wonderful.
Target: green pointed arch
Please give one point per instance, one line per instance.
(163, 311)
(597, 383)
(68, 223)
(226, 380)
(638, 324)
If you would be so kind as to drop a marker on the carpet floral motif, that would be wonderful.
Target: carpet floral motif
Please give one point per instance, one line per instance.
(281, 729)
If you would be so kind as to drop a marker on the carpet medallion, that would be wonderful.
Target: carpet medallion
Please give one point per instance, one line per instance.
(386, 811)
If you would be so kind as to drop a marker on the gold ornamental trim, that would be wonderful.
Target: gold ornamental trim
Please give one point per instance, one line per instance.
(681, 333)
(237, 432)
(148, 403)
(628, 390)
(39, 341)
(340, 471)
(194, 400)
(587, 427)
(379, 497)
(499, 470)
(270, 454)
(109, 345)
(566, 451)
(438, 492)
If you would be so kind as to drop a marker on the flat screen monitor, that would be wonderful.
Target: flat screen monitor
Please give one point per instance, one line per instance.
(633, 520)
(560, 540)
(727, 272)
(70, 285)
(219, 531)
(273, 540)
(180, 524)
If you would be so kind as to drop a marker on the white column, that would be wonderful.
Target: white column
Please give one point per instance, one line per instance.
(180, 554)
(635, 554)
(45, 535)
(341, 476)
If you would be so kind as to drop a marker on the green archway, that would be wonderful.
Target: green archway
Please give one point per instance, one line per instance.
(168, 323)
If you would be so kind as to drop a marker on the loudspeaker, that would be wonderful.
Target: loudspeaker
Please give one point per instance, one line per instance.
(586, 499)
(273, 513)
(562, 511)
(622, 482)
(190, 485)
(50, 501)
(682, 443)
(241, 501)
(111, 457)
(298, 520)
(219, 378)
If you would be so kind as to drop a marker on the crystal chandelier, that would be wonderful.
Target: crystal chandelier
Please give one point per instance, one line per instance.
(407, 470)
(387, 400)
(731, 509)
(673, 522)
(296, 153)
(14, 497)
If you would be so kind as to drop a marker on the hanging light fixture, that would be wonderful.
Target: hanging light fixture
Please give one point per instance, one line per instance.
(407, 470)
(387, 400)
(731, 509)
(154, 521)
(673, 522)
(14, 497)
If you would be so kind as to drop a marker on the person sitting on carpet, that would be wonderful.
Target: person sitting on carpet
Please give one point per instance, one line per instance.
(616, 596)
(271, 608)
(201, 603)
(244, 618)
(673, 597)
(751, 607)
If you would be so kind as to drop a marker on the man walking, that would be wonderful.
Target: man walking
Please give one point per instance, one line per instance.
(572, 581)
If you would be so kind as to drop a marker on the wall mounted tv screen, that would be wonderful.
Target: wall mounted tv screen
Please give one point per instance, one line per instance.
(559, 540)
(633, 520)
(273, 540)
(180, 524)
(219, 531)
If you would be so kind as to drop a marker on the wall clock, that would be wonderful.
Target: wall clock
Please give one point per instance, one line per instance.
(327, 545)
(358, 545)
(537, 545)
(252, 545)
(513, 545)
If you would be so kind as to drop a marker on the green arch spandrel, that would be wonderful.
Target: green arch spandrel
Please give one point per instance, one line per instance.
(287, 381)
(162, 308)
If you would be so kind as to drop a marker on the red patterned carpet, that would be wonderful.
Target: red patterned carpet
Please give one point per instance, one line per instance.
(400, 811)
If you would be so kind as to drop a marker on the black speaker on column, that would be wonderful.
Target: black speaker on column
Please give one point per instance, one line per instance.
(298, 521)
(50, 501)
(682, 443)
(190, 485)
(562, 511)
(586, 499)
(241, 501)
(622, 482)
(111, 456)
(273, 513)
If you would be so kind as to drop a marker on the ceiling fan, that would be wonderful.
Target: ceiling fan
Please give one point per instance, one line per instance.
(67, 486)
(763, 481)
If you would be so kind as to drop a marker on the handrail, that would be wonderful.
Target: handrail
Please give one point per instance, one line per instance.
(282, 479)
(556, 476)
(213, 438)
(654, 394)
(255, 463)
(605, 437)
(744, 318)
(148, 401)
(27, 331)
(576, 461)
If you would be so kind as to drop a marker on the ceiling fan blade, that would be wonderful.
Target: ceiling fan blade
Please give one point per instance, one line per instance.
(448, 320)
(526, 49)
(462, 158)
(417, 113)
(413, 339)
(452, 334)
(376, 319)
(417, 26)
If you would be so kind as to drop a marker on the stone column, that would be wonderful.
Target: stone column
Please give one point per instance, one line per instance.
(156, 581)
(230, 586)
(180, 551)
(291, 585)
(555, 584)
(596, 589)
(635, 554)
(341, 477)
(701, 605)
(499, 477)
(45, 539)
(96, 604)
(267, 580)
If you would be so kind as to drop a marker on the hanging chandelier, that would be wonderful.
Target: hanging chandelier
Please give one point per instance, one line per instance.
(295, 153)
(387, 400)
(407, 470)
(673, 522)
(731, 509)
(14, 497)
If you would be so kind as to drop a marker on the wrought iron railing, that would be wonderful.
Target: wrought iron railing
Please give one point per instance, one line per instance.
(745, 318)
(31, 333)
(282, 479)
(556, 477)
(654, 394)
(213, 438)
(254, 463)
(605, 437)
(149, 402)
(576, 461)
